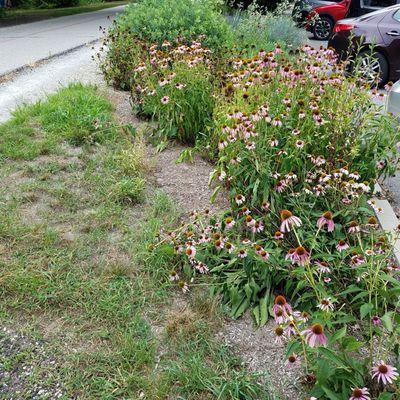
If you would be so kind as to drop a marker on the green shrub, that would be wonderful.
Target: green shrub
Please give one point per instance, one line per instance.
(258, 30)
(157, 20)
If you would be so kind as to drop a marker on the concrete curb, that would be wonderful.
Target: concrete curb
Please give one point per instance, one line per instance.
(387, 219)
(8, 74)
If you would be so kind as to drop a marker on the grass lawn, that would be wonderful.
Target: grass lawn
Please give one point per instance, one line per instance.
(85, 303)
(23, 15)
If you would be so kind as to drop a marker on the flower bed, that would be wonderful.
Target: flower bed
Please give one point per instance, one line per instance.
(299, 147)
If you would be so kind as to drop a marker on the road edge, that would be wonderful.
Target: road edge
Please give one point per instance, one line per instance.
(5, 76)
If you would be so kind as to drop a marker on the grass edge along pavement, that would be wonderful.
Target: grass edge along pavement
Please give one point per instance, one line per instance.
(76, 278)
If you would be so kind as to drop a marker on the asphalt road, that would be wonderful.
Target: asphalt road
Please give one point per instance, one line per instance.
(33, 84)
(26, 44)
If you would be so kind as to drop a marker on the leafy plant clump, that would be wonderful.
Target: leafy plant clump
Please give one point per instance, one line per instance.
(299, 147)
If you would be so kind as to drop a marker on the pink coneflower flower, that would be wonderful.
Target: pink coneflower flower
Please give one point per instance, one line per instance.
(385, 373)
(342, 245)
(173, 276)
(279, 332)
(180, 86)
(315, 336)
(288, 220)
(278, 235)
(301, 256)
(165, 100)
(242, 253)
(326, 304)
(250, 221)
(229, 223)
(240, 199)
(292, 361)
(322, 267)
(359, 394)
(219, 244)
(276, 121)
(326, 219)
(376, 320)
(280, 303)
(265, 205)
(183, 286)
(353, 227)
(274, 142)
(229, 247)
(296, 132)
(190, 251)
(280, 316)
(291, 254)
(264, 255)
(258, 227)
(300, 144)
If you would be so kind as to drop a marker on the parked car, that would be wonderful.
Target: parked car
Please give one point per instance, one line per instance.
(302, 8)
(393, 100)
(320, 20)
(374, 40)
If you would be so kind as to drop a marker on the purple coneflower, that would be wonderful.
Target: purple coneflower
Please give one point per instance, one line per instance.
(385, 373)
(354, 227)
(315, 336)
(165, 100)
(280, 303)
(278, 235)
(301, 256)
(342, 245)
(376, 320)
(292, 361)
(359, 394)
(326, 219)
(322, 267)
(242, 253)
(288, 220)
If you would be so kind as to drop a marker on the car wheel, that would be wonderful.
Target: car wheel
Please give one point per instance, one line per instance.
(322, 29)
(374, 68)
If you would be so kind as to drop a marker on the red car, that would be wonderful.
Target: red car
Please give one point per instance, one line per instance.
(322, 19)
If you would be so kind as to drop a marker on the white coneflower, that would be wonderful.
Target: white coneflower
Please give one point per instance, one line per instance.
(240, 199)
(326, 304)
(173, 276)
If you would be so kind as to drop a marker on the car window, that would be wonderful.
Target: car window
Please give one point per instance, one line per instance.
(377, 3)
(396, 15)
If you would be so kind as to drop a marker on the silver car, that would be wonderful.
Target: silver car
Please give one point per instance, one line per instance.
(393, 100)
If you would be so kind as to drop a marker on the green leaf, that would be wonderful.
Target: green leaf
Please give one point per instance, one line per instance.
(264, 310)
(350, 343)
(338, 335)
(387, 321)
(331, 395)
(366, 309)
(385, 396)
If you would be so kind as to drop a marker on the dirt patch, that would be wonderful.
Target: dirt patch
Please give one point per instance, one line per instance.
(186, 183)
(257, 348)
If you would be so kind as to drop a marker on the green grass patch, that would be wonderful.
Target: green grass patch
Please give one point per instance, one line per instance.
(74, 253)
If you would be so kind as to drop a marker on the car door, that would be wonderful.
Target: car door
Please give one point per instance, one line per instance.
(389, 28)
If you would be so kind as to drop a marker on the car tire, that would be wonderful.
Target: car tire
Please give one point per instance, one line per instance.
(323, 27)
(375, 66)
